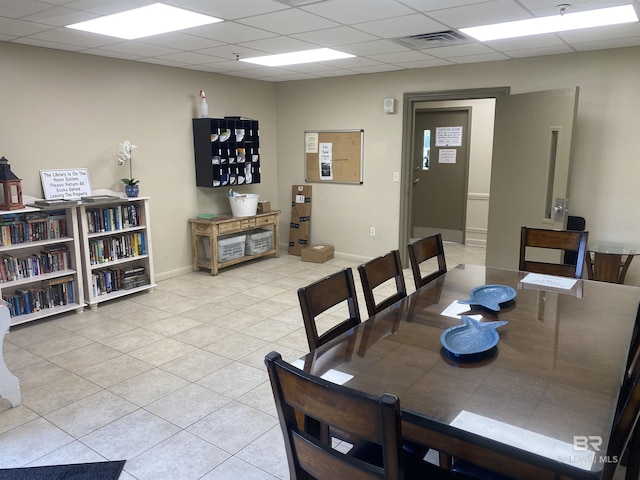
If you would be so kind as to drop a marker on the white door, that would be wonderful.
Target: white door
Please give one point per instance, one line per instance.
(530, 169)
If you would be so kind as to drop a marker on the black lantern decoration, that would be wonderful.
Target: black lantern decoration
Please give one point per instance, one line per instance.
(10, 188)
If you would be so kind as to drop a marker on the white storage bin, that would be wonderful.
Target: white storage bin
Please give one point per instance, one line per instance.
(231, 248)
(245, 205)
(259, 242)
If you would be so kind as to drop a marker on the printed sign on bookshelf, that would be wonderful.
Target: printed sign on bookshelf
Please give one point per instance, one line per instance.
(65, 184)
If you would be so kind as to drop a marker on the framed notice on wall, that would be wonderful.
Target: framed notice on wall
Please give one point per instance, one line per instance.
(334, 156)
(65, 184)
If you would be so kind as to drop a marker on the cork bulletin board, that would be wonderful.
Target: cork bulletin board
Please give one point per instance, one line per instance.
(334, 156)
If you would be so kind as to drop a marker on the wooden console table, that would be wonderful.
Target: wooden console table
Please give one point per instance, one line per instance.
(213, 229)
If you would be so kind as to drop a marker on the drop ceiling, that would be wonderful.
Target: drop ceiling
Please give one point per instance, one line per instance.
(375, 31)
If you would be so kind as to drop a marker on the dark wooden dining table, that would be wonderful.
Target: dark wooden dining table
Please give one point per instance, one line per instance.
(539, 405)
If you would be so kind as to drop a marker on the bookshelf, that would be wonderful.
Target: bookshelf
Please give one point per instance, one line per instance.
(40, 262)
(115, 235)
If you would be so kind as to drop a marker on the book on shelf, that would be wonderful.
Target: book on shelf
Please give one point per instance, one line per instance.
(51, 293)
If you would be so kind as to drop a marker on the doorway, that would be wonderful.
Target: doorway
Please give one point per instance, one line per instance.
(440, 165)
(548, 126)
(413, 102)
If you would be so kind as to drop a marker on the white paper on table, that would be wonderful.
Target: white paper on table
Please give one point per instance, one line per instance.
(524, 439)
(331, 375)
(550, 281)
(456, 309)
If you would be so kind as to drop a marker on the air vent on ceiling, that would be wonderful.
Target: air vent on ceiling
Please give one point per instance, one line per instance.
(432, 40)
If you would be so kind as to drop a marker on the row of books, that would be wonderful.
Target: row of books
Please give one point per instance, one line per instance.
(16, 228)
(113, 218)
(51, 293)
(115, 248)
(107, 280)
(51, 259)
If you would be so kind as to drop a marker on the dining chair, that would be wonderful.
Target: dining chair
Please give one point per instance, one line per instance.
(425, 249)
(624, 441)
(374, 419)
(552, 240)
(320, 296)
(378, 271)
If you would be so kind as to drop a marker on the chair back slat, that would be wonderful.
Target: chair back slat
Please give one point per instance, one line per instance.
(558, 240)
(322, 295)
(378, 271)
(425, 249)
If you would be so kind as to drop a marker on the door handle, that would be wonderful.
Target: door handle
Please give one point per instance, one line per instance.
(416, 181)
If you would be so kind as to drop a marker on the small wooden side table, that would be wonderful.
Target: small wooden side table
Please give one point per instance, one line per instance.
(213, 229)
(606, 262)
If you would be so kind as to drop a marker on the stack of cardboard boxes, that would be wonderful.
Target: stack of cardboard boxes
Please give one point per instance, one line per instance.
(300, 230)
(300, 218)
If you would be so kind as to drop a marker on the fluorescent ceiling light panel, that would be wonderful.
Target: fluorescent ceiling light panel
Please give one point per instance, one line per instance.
(556, 23)
(294, 58)
(144, 22)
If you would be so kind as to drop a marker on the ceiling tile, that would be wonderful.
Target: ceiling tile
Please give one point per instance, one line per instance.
(13, 9)
(339, 10)
(278, 45)
(230, 9)
(459, 50)
(18, 28)
(59, 16)
(485, 13)
(537, 52)
(179, 41)
(289, 21)
(139, 49)
(186, 57)
(231, 32)
(487, 57)
(401, 26)
(335, 36)
(76, 37)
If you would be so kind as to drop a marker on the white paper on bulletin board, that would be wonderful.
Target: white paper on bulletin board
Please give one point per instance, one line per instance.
(326, 161)
(66, 184)
(447, 155)
(311, 142)
(448, 136)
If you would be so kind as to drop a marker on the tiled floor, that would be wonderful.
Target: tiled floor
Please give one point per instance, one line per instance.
(172, 381)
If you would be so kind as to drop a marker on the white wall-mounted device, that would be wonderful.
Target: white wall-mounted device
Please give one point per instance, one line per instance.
(389, 105)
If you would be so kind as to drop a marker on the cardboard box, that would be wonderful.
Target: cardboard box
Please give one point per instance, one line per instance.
(264, 206)
(300, 225)
(317, 253)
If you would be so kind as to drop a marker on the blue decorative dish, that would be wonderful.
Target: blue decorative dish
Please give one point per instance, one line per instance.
(471, 338)
(490, 296)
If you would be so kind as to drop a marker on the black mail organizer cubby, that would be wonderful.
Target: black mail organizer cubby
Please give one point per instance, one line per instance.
(227, 151)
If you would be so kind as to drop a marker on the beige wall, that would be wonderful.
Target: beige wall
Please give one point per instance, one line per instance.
(63, 110)
(606, 167)
(68, 110)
